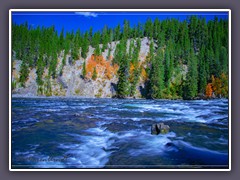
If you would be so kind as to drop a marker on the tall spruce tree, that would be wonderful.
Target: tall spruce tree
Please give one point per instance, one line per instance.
(84, 70)
(191, 84)
(85, 45)
(123, 75)
(202, 74)
(157, 76)
(24, 71)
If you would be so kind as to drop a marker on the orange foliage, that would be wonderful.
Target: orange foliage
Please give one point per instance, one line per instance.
(220, 85)
(91, 63)
(209, 90)
(143, 74)
(103, 67)
(217, 85)
(131, 68)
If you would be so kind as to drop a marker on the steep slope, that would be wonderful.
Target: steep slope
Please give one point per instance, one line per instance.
(71, 83)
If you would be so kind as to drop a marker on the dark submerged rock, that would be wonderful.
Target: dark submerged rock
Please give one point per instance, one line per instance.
(154, 129)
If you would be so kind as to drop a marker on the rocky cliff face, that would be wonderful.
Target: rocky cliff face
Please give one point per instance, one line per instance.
(71, 83)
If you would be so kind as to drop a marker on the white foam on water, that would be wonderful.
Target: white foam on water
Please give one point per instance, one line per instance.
(192, 115)
(92, 150)
(150, 146)
(145, 107)
(139, 118)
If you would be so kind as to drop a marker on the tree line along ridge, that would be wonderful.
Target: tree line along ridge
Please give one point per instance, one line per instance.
(185, 59)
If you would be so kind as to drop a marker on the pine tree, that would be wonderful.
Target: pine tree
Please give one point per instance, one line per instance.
(191, 84)
(139, 30)
(85, 46)
(148, 30)
(157, 76)
(97, 51)
(126, 30)
(123, 75)
(134, 69)
(120, 51)
(84, 71)
(130, 51)
(24, 71)
(40, 70)
(202, 74)
(109, 54)
(105, 38)
(96, 39)
(193, 27)
(111, 36)
(53, 66)
(117, 33)
(61, 39)
(224, 60)
(75, 48)
(168, 66)
(156, 28)
(48, 89)
(134, 80)
(94, 76)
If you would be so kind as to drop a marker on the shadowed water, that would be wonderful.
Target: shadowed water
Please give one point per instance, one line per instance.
(113, 133)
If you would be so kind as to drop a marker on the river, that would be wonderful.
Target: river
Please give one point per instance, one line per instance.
(113, 133)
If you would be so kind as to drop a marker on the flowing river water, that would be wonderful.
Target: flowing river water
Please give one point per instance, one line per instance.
(113, 133)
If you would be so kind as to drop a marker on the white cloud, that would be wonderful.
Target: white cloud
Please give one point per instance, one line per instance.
(87, 14)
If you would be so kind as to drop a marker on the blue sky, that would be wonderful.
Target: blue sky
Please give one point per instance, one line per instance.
(84, 20)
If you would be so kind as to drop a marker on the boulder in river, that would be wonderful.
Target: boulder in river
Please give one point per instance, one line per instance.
(159, 128)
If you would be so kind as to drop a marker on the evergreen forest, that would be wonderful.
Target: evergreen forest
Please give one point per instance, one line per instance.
(186, 59)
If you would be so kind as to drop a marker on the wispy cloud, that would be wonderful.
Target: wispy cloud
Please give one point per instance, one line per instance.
(87, 14)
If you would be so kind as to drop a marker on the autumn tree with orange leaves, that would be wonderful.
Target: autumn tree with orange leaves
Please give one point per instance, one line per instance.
(220, 85)
(102, 66)
(209, 90)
